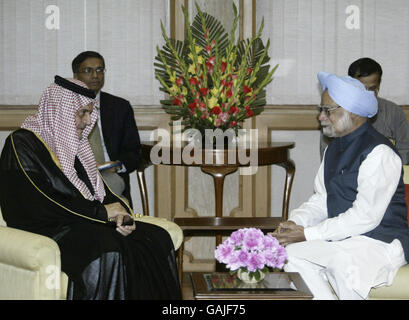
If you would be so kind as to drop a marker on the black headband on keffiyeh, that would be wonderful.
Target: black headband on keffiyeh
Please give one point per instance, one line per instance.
(74, 87)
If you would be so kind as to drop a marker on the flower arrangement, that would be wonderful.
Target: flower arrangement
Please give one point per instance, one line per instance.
(213, 82)
(250, 250)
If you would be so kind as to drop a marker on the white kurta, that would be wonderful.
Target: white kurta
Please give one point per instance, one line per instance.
(335, 249)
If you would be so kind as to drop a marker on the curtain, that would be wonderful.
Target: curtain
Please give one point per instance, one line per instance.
(33, 49)
(322, 35)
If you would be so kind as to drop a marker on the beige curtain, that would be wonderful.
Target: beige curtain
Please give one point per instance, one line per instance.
(321, 35)
(125, 32)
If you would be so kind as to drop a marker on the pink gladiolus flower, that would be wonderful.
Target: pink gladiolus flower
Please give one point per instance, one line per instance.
(179, 82)
(223, 116)
(246, 89)
(204, 91)
(193, 81)
(177, 102)
(192, 106)
(223, 67)
(210, 67)
(216, 110)
(233, 124)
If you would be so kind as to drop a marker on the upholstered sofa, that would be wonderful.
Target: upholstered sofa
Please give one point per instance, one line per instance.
(30, 266)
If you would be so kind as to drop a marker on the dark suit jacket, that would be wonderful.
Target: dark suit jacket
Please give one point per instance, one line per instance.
(121, 135)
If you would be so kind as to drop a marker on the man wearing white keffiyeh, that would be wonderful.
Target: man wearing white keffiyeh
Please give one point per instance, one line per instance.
(55, 124)
(50, 185)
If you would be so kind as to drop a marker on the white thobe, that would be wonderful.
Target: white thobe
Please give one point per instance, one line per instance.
(335, 249)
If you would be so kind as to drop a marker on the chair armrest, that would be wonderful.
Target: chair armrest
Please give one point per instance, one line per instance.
(30, 266)
(172, 228)
(27, 250)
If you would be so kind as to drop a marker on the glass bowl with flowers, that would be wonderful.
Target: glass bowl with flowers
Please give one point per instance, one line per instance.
(250, 254)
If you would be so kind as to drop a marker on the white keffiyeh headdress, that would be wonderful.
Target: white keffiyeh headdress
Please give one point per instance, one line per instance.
(55, 124)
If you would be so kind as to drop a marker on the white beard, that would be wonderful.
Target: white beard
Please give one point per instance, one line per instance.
(343, 124)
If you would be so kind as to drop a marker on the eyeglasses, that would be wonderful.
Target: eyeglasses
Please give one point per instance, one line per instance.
(327, 109)
(89, 71)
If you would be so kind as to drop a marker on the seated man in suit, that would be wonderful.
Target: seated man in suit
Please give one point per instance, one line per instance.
(115, 137)
(390, 119)
(353, 231)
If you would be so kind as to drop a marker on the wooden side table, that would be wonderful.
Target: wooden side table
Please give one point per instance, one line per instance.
(268, 153)
(300, 291)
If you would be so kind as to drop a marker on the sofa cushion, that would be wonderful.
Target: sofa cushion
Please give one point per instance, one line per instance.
(398, 289)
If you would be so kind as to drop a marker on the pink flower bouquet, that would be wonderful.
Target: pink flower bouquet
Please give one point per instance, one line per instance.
(251, 250)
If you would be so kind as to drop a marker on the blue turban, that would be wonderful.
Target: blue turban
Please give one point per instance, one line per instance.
(350, 94)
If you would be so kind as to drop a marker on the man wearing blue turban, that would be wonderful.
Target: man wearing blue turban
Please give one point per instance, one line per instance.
(353, 231)
(390, 119)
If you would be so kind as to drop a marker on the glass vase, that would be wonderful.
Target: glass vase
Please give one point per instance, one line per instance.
(244, 276)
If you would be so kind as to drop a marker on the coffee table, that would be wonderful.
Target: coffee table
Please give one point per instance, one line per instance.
(223, 286)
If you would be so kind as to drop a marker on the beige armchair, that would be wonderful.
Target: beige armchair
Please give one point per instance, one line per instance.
(30, 265)
(400, 286)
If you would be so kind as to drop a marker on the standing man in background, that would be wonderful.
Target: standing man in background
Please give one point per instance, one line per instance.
(390, 119)
(115, 137)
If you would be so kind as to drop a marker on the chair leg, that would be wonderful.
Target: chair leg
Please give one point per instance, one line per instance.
(143, 191)
(180, 263)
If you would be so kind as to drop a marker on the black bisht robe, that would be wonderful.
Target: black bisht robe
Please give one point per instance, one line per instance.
(36, 196)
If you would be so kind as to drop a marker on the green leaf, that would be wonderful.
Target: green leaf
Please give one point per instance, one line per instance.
(257, 275)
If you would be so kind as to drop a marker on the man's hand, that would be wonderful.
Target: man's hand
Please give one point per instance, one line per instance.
(288, 232)
(116, 212)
